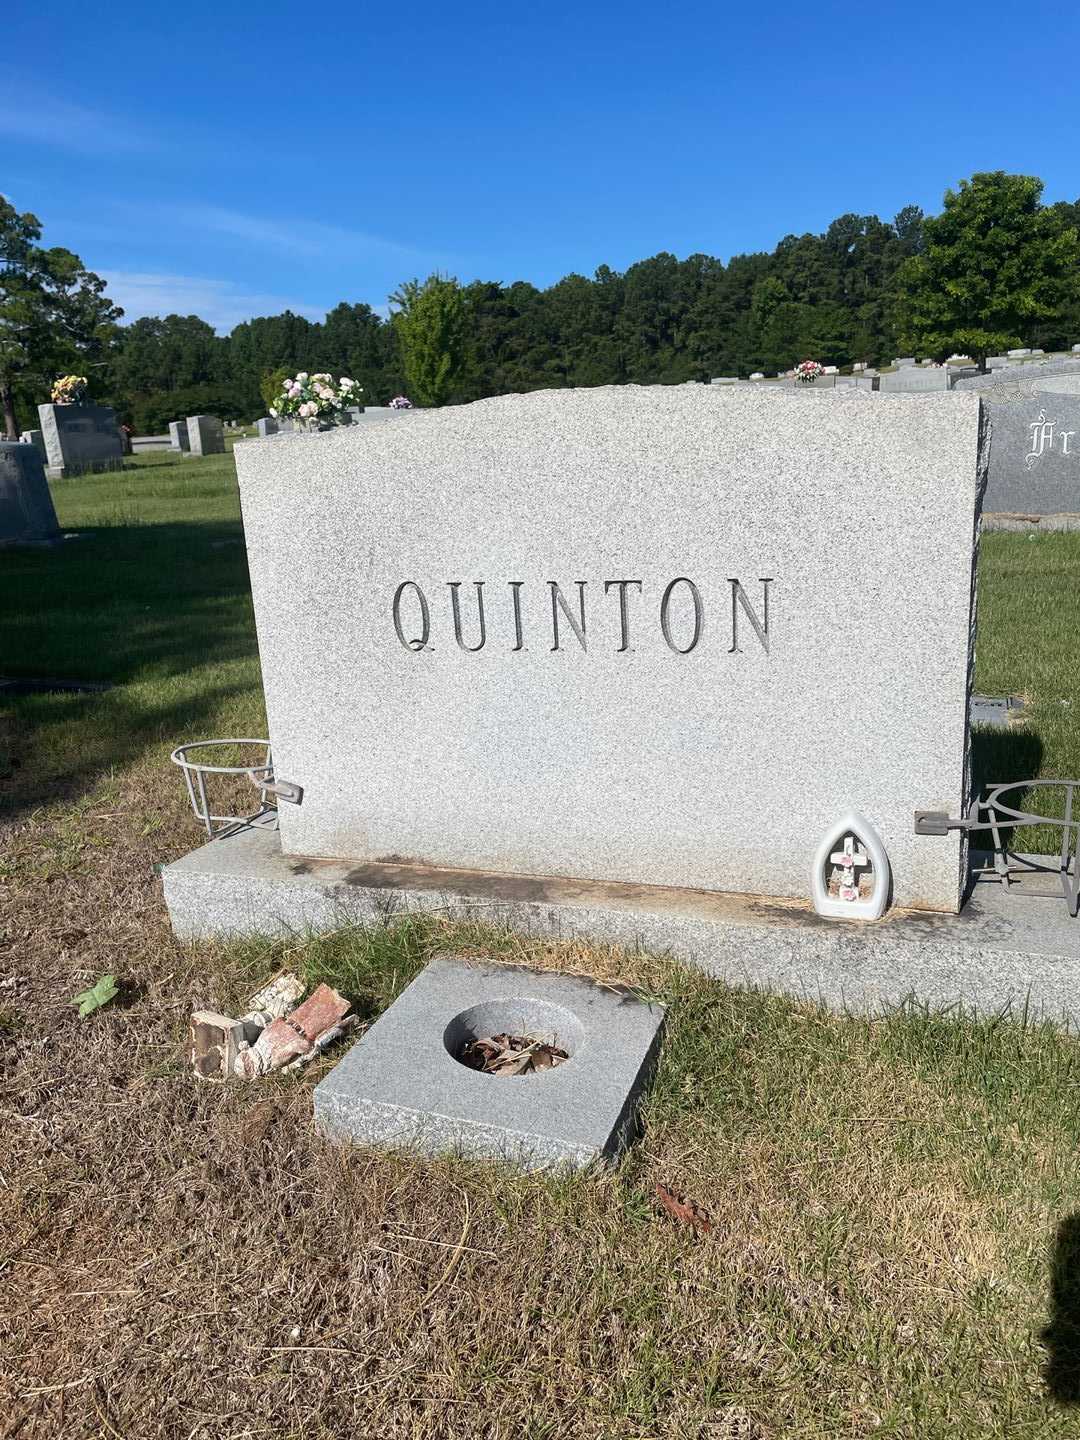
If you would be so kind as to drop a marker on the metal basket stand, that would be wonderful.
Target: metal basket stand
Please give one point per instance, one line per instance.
(261, 775)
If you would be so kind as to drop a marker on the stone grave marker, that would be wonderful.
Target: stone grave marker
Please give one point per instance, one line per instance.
(206, 435)
(913, 379)
(80, 439)
(1034, 450)
(266, 426)
(37, 439)
(178, 435)
(558, 634)
(27, 515)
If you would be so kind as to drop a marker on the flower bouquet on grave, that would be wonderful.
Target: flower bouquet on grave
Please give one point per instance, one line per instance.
(808, 371)
(69, 390)
(316, 402)
(401, 402)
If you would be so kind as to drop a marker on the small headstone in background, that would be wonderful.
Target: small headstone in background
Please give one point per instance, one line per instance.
(758, 375)
(206, 435)
(724, 380)
(1017, 354)
(916, 378)
(858, 366)
(831, 370)
(27, 515)
(178, 435)
(80, 439)
(35, 438)
(906, 360)
(267, 425)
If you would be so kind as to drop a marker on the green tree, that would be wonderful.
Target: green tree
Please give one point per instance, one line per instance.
(270, 385)
(994, 267)
(432, 327)
(53, 313)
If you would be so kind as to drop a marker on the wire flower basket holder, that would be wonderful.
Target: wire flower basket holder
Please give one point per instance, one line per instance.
(196, 759)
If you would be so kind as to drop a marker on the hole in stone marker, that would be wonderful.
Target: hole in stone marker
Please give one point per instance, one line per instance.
(526, 1018)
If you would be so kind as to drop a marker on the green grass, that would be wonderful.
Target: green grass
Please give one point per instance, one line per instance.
(1029, 622)
(153, 597)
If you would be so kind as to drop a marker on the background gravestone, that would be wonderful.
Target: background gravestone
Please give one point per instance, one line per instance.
(80, 439)
(265, 426)
(27, 515)
(206, 435)
(641, 634)
(178, 435)
(35, 438)
(1034, 453)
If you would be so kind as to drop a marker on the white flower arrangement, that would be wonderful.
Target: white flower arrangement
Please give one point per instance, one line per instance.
(808, 371)
(401, 402)
(316, 400)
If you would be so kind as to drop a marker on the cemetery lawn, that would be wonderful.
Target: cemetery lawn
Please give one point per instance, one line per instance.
(895, 1203)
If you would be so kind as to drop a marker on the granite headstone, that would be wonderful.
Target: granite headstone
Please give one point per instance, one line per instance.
(561, 633)
(80, 439)
(178, 435)
(27, 515)
(206, 435)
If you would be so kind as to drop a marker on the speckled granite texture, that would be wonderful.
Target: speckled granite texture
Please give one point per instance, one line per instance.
(401, 1086)
(656, 744)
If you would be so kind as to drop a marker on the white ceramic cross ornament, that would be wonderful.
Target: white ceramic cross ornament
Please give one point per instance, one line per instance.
(850, 859)
(853, 845)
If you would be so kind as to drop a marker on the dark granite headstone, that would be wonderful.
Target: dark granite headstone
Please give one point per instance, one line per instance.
(27, 516)
(81, 438)
(1034, 454)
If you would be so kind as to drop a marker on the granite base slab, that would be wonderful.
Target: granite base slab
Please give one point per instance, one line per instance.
(1006, 948)
(402, 1086)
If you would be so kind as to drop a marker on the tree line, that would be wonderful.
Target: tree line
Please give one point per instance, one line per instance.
(996, 268)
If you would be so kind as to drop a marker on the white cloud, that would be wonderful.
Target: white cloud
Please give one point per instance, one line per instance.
(298, 237)
(46, 120)
(221, 303)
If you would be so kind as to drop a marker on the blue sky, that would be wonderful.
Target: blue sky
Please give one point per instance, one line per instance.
(237, 159)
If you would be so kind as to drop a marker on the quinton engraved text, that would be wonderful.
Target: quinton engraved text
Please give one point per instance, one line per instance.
(620, 615)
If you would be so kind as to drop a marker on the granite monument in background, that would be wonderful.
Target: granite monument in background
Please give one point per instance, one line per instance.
(27, 516)
(80, 439)
(206, 435)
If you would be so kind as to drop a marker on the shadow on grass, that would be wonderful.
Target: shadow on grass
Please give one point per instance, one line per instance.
(1062, 1335)
(123, 602)
(999, 757)
(160, 612)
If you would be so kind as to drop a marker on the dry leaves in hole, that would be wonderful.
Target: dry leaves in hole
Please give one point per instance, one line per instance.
(687, 1212)
(511, 1054)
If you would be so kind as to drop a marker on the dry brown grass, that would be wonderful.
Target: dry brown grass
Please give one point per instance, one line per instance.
(190, 1261)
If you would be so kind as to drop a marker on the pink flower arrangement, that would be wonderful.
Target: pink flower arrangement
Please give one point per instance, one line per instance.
(808, 371)
(316, 400)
